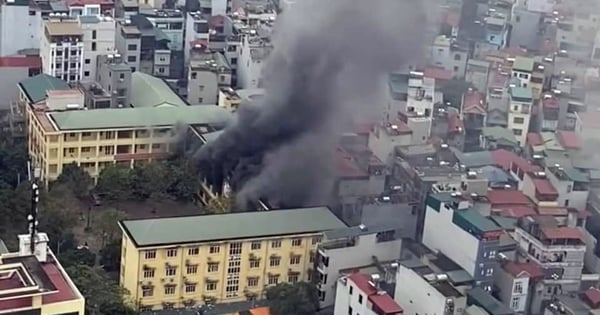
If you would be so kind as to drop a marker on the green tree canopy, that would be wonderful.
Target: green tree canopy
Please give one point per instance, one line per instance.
(110, 256)
(114, 182)
(301, 298)
(75, 256)
(76, 179)
(106, 224)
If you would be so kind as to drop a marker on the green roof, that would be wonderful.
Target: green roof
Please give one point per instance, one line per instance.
(114, 118)
(149, 91)
(500, 134)
(523, 64)
(36, 87)
(478, 296)
(521, 93)
(398, 83)
(230, 226)
(473, 222)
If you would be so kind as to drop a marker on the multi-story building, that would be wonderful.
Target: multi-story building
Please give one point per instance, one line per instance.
(196, 28)
(522, 69)
(253, 52)
(97, 138)
(129, 43)
(359, 294)
(126, 8)
(212, 259)
(36, 283)
(411, 94)
(519, 112)
(62, 49)
(26, 35)
(349, 248)
(12, 71)
(155, 55)
(539, 189)
(571, 184)
(558, 249)
(516, 283)
(207, 74)
(170, 22)
(112, 85)
(98, 39)
(90, 7)
(446, 53)
(450, 216)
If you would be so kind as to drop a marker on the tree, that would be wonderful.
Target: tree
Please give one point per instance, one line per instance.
(185, 183)
(114, 182)
(110, 256)
(77, 256)
(301, 298)
(76, 179)
(103, 296)
(150, 180)
(106, 224)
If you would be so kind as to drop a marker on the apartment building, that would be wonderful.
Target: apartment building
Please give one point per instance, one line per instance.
(95, 139)
(98, 39)
(519, 112)
(559, 249)
(349, 248)
(449, 216)
(571, 184)
(170, 22)
(446, 53)
(26, 35)
(90, 7)
(516, 283)
(36, 284)
(207, 74)
(254, 50)
(62, 49)
(196, 28)
(129, 43)
(190, 261)
(359, 293)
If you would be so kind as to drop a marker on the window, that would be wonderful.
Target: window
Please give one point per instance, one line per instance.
(457, 57)
(194, 75)
(293, 278)
(518, 120)
(350, 290)
(518, 288)
(131, 59)
(213, 267)
(94, 34)
(455, 68)
(311, 257)
(518, 19)
(255, 263)
(255, 245)
(86, 73)
(147, 291)
(273, 279)
(194, 251)
(170, 271)
(235, 248)
(297, 242)
(566, 202)
(192, 269)
(200, 88)
(169, 290)
(190, 288)
(274, 261)
(516, 107)
(200, 100)
(234, 61)
(569, 188)
(514, 304)
(316, 240)
(93, 46)
(276, 244)
(295, 260)
(214, 249)
(309, 275)
(252, 282)
(360, 298)
(211, 286)
(489, 272)
(149, 273)
(172, 252)
(132, 47)
(150, 254)
(517, 132)
(161, 70)
(350, 310)
(87, 61)
(492, 254)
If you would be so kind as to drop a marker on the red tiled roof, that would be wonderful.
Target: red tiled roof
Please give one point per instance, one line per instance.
(506, 158)
(455, 124)
(437, 73)
(562, 233)
(592, 297)
(515, 211)
(382, 301)
(534, 139)
(64, 291)
(473, 103)
(507, 197)
(568, 139)
(346, 166)
(498, 80)
(515, 52)
(523, 270)
(552, 211)
(544, 186)
(21, 62)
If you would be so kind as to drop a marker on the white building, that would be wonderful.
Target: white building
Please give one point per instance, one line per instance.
(254, 51)
(351, 248)
(571, 184)
(448, 55)
(207, 73)
(196, 28)
(522, 69)
(358, 294)
(62, 49)
(519, 112)
(421, 291)
(20, 27)
(98, 39)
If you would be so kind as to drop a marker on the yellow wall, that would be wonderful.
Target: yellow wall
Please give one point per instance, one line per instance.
(134, 262)
(91, 149)
(64, 307)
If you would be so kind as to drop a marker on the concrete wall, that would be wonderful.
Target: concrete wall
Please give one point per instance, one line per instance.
(18, 29)
(104, 42)
(203, 89)
(10, 76)
(525, 28)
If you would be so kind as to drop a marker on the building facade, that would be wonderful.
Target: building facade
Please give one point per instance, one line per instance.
(26, 35)
(359, 294)
(219, 258)
(62, 49)
(519, 112)
(98, 39)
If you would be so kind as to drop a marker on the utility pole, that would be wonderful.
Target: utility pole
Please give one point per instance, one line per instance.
(32, 217)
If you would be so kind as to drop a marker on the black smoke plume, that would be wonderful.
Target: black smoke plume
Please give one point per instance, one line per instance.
(329, 65)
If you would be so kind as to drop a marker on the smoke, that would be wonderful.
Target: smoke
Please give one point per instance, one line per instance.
(329, 65)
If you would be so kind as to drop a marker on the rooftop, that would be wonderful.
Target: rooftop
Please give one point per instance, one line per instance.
(473, 103)
(114, 118)
(472, 221)
(482, 298)
(21, 62)
(569, 173)
(380, 299)
(501, 135)
(568, 139)
(523, 64)
(63, 28)
(507, 159)
(150, 91)
(523, 269)
(474, 159)
(230, 226)
(438, 73)
(521, 94)
(506, 197)
(563, 233)
(544, 186)
(38, 86)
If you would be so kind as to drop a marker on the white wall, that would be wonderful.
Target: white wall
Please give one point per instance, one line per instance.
(204, 87)
(344, 300)
(105, 44)
(10, 76)
(439, 229)
(508, 293)
(18, 29)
